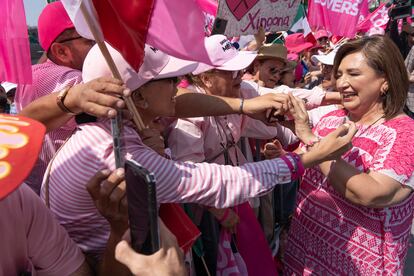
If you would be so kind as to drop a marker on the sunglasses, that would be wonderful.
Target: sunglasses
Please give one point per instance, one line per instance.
(174, 80)
(234, 74)
(75, 38)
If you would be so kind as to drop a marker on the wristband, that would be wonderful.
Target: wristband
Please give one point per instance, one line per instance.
(225, 216)
(241, 106)
(60, 101)
(296, 171)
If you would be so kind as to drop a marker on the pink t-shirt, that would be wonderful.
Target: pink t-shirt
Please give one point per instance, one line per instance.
(329, 235)
(48, 77)
(31, 240)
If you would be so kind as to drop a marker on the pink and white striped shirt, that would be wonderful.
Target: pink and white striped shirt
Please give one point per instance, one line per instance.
(48, 77)
(90, 149)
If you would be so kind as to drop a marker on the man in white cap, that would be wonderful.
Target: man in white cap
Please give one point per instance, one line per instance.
(10, 89)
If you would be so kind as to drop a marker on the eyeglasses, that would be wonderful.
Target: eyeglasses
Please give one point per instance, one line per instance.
(174, 80)
(75, 38)
(234, 74)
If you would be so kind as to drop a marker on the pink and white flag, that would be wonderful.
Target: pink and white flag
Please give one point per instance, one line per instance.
(15, 63)
(339, 17)
(378, 19)
(174, 27)
(209, 9)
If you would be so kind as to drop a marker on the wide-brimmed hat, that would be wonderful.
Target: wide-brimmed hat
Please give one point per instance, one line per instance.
(52, 21)
(296, 43)
(277, 51)
(20, 142)
(156, 65)
(224, 56)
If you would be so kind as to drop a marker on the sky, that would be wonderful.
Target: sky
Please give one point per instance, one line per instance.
(33, 9)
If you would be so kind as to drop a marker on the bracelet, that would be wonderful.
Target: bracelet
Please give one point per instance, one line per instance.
(241, 106)
(311, 143)
(60, 101)
(299, 170)
(225, 216)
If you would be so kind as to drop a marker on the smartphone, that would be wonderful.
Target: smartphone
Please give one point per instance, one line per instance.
(219, 26)
(142, 208)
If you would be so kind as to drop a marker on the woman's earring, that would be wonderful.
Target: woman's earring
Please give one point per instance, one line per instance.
(144, 105)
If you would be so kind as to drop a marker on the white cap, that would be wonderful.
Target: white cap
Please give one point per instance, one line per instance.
(8, 86)
(223, 54)
(156, 65)
(327, 59)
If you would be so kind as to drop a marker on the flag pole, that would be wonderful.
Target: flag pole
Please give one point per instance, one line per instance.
(102, 46)
(116, 122)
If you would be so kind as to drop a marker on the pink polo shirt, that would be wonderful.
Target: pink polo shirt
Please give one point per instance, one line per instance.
(199, 139)
(31, 240)
(90, 149)
(48, 77)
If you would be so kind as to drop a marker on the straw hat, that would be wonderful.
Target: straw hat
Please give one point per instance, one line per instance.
(277, 51)
(273, 51)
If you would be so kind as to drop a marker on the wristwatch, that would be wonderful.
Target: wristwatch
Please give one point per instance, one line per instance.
(60, 101)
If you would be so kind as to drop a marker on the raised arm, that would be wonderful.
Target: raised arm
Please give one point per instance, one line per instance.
(99, 98)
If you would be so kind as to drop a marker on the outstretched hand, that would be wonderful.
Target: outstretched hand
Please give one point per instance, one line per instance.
(259, 107)
(100, 97)
(273, 150)
(169, 260)
(108, 191)
(332, 146)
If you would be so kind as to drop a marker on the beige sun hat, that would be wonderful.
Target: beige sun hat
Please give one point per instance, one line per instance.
(277, 51)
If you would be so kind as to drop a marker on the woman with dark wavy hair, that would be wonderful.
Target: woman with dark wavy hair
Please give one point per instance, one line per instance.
(354, 214)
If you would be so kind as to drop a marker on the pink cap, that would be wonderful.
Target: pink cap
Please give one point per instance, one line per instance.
(296, 43)
(52, 22)
(223, 54)
(156, 65)
(321, 33)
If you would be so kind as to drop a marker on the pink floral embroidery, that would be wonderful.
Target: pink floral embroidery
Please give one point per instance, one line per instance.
(331, 236)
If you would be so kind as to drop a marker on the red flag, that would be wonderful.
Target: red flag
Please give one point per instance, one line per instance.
(125, 26)
(15, 63)
(174, 27)
(179, 224)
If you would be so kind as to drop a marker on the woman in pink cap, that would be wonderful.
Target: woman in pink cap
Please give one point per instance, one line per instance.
(214, 139)
(90, 149)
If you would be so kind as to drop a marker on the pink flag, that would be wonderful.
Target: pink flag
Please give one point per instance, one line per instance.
(15, 63)
(339, 17)
(209, 8)
(174, 27)
(377, 19)
(177, 28)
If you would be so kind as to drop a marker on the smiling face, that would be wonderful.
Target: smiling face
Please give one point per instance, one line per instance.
(268, 71)
(222, 83)
(156, 98)
(360, 85)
